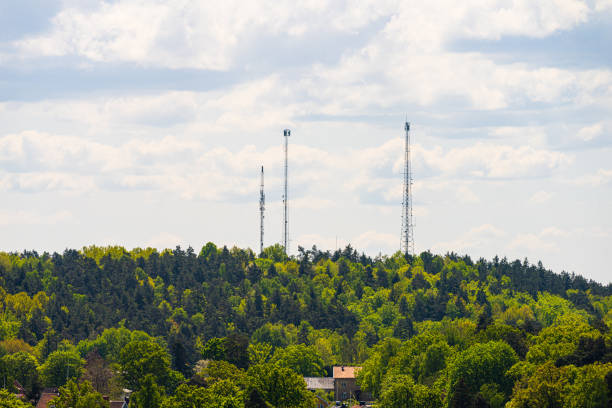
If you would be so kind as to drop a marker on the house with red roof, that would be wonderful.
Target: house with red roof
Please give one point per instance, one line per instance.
(345, 384)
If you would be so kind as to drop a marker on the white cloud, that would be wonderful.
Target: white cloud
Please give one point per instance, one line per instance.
(37, 182)
(313, 203)
(370, 242)
(599, 232)
(547, 240)
(23, 217)
(185, 33)
(30, 150)
(165, 240)
(554, 232)
(375, 242)
(405, 62)
(590, 132)
(386, 73)
(322, 242)
(541, 197)
(600, 178)
(493, 161)
(471, 241)
(251, 107)
(189, 34)
(536, 136)
(34, 162)
(466, 195)
(532, 242)
(603, 5)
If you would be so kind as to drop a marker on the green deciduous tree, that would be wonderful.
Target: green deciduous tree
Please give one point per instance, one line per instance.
(302, 359)
(435, 358)
(544, 389)
(374, 369)
(559, 340)
(61, 366)
(259, 353)
(73, 395)
(21, 366)
(589, 388)
(150, 395)
(10, 400)
(400, 391)
(141, 358)
(484, 363)
(222, 394)
(222, 370)
(214, 349)
(110, 343)
(280, 386)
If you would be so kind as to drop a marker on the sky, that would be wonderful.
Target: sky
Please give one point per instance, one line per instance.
(145, 123)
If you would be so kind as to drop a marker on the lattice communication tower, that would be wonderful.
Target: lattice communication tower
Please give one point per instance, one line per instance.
(407, 238)
(286, 134)
(262, 208)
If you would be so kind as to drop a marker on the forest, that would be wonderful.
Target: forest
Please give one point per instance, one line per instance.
(231, 328)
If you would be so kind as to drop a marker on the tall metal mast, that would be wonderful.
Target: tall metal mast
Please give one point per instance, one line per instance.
(286, 133)
(407, 239)
(262, 207)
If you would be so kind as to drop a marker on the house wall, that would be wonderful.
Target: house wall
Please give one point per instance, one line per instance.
(345, 388)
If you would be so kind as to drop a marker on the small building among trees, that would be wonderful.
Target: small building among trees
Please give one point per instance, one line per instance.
(343, 384)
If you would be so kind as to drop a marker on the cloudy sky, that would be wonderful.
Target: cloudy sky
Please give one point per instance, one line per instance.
(145, 122)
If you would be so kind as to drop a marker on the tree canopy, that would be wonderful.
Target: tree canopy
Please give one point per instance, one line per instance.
(226, 327)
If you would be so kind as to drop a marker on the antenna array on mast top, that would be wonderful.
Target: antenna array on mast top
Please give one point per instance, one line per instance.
(407, 238)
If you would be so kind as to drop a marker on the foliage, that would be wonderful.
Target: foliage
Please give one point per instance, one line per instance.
(302, 359)
(149, 394)
(21, 367)
(483, 363)
(223, 370)
(551, 386)
(60, 367)
(280, 386)
(227, 326)
(10, 400)
(142, 358)
(254, 400)
(222, 394)
(401, 392)
(73, 395)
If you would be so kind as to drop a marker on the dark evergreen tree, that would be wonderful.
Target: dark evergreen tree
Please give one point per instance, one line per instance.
(404, 329)
(419, 282)
(461, 397)
(381, 278)
(254, 399)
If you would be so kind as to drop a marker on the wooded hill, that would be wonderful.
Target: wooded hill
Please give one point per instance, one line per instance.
(428, 330)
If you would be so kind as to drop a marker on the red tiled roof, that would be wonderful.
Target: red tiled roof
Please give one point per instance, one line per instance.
(116, 404)
(345, 371)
